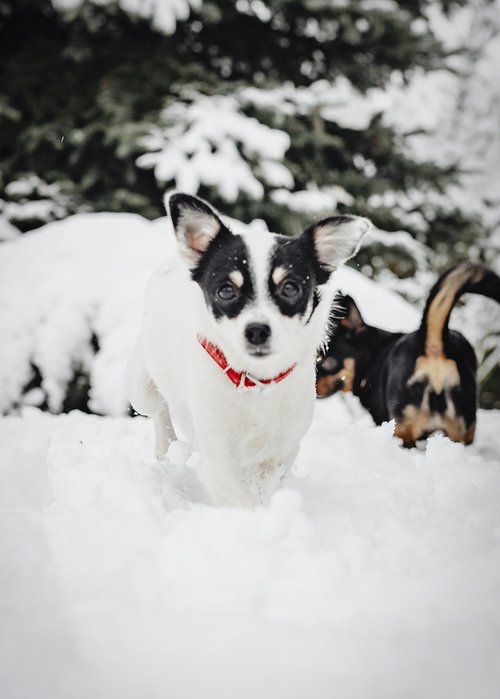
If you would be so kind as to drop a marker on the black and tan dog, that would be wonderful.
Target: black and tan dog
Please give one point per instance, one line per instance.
(424, 380)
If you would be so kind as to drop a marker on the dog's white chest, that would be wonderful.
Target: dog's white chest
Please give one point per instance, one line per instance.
(258, 423)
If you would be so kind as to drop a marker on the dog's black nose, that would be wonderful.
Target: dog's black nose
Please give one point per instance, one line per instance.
(257, 333)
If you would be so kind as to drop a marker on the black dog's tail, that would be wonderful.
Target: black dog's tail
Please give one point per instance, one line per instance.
(466, 278)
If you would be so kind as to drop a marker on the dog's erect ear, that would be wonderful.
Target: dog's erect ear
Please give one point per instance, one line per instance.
(336, 239)
(195, 223)
(353, 320)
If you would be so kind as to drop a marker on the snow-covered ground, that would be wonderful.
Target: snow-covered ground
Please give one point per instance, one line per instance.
(374, 571)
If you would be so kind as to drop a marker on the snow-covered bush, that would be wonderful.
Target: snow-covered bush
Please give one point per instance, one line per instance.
(70, 305)
(33, 202)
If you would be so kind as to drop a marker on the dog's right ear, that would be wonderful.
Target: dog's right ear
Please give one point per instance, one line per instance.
(195, 224)
(353, 320)
(335, 240)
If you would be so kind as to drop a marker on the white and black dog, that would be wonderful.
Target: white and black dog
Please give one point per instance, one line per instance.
(228, 344)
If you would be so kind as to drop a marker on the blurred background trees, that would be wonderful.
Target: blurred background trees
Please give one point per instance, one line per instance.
(277, 109)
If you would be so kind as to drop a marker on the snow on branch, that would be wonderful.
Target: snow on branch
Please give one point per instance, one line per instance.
(313, 200)
(402, 239)
(210, 141)
(336, 101)
(163, 14)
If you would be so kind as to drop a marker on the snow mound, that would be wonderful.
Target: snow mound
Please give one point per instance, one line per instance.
(373, 572)
(86, 279)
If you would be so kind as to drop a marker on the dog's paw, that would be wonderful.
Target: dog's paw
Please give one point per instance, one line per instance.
(178, 453)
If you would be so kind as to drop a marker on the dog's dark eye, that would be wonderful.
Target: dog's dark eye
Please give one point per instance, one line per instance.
(329, 363)
(226, 292)
(290, 290)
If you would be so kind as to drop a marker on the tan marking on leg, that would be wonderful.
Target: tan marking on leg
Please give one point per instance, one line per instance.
(348, 373)
(455, 429)
(404, 430)
(325, 385)
(414, 423)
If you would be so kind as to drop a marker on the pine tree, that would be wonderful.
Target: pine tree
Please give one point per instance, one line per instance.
(86, 92)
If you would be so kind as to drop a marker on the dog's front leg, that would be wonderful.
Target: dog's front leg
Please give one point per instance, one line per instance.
(164, 432)
(224, 482)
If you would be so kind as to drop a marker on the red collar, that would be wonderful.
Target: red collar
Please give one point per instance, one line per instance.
(242, 378)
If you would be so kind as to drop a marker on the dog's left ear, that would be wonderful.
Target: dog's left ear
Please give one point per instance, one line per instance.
(195, 223)
(336, 239)
(353, 320)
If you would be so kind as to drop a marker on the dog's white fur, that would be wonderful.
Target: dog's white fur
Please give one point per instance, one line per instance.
(240, 433)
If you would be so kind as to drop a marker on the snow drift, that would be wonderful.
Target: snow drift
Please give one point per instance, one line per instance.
(374, 572)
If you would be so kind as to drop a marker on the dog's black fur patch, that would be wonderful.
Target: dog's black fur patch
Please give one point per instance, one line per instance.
(298, 256)
(226, 253)
(392, 373)
(292, 255)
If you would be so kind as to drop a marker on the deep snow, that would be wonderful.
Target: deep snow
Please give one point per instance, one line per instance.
(374, 571)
